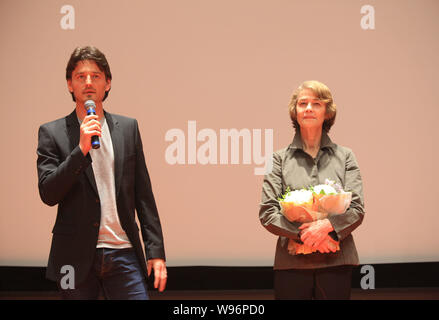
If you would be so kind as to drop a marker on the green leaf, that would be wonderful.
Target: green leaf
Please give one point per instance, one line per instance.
(282, 197)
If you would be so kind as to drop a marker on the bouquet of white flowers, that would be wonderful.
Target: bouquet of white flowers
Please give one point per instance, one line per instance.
(314, 203)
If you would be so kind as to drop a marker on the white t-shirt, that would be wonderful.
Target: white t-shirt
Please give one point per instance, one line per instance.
(111, 234)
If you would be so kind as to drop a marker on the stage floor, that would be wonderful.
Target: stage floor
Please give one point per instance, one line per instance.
(357, 294)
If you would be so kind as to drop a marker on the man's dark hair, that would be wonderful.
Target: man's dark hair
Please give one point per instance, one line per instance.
(88, 53)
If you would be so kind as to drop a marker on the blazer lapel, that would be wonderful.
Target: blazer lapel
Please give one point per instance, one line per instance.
(73, 133)
(118, 148)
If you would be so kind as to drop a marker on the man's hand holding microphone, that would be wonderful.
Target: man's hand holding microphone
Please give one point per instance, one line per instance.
(90, 129)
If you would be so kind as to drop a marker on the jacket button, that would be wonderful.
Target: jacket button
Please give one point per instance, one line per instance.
(96, 224)
(97, 200)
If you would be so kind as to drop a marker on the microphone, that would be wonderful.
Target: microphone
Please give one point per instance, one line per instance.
(90, 106)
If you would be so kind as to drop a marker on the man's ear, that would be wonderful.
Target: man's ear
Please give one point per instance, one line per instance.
(108, 85)
(69, 85)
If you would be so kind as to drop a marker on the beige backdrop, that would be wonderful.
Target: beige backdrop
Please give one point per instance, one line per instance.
(231, 64)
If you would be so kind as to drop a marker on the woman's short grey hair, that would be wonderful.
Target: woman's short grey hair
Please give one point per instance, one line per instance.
(324, 94)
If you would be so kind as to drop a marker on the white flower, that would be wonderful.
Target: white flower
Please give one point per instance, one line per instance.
(299, 197)
(327, 189)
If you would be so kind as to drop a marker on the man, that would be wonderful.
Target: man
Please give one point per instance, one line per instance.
(95, 235)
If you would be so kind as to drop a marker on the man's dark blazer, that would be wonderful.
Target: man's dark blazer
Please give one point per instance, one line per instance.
(65, 178)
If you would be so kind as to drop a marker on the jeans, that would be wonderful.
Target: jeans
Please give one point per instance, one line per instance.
(115, 273)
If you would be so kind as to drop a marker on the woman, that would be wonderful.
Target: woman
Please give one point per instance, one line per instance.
(308, 161)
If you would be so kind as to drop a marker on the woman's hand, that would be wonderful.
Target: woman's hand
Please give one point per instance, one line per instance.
(327, 245)
(314, 233)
